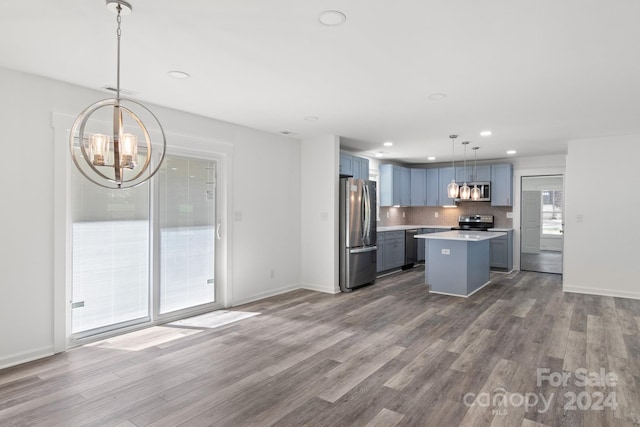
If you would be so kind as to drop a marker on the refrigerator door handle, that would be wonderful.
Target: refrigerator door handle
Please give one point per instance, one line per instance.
(366, 212)
(362, 250)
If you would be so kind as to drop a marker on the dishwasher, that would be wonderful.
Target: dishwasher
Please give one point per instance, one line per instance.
(410, 248)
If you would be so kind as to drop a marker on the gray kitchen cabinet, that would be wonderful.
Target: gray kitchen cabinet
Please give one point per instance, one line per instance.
(502, 252)
(463, 174)
(390, 250)
(481, 173)
(346, 164)
(445, 175)
(418, 187)
(433, 187)
(364, 168)
(395, 185)
(353, 166)
(502, 184)
(379, 253)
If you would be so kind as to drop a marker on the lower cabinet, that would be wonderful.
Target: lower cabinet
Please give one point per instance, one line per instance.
(502, 251)
(390, 250)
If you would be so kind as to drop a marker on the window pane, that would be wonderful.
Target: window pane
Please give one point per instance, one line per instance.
(110, 259)
(552, 212)
(187, 233)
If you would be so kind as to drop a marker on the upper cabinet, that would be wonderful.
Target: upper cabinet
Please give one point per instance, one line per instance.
(400, 186)
(502, 184)
(353, 166)
(433, 187)
(395, 185)
(477, 174)
(418, 187)
(346, 164)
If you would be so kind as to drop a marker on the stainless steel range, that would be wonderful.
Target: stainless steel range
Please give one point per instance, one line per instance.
(474, 222)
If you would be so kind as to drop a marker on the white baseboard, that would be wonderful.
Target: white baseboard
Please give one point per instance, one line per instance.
(25, 356)
(601, 292)
(263, 295)
(319, 288)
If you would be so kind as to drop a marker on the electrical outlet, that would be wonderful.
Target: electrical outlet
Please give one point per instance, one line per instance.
(237, 216)
(402, 214)
(579, 218)
(388, 214)
(324, 216)
(446, 251)
(436, 214)
(509, 214)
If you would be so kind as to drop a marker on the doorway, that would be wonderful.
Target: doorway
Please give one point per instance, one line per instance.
(542, 239)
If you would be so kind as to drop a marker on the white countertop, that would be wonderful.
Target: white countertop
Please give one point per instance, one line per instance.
(409, 227)
(500, 229)
(473, 236)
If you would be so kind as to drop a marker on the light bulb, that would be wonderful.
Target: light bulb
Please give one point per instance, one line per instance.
(465, 192)
(128, 151)
(452, 189)
(475, 193)
(98, 148)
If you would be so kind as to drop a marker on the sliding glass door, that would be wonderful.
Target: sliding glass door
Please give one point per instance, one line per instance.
(110, 256)
(187, 222)
(144, 254)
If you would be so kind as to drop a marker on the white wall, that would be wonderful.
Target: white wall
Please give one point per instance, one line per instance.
(264, 188)
(601, 250)
(320, 166)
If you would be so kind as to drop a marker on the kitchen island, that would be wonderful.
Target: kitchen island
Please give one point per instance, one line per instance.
(457, 262)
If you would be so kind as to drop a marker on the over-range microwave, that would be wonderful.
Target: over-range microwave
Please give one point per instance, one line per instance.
(485, 191)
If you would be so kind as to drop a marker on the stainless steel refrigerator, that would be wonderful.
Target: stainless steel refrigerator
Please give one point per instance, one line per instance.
(358, 250)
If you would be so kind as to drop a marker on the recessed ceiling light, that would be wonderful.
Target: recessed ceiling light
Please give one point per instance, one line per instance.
(437, 96)
(388, 144)
(431, 158)
(181, 75)
(511, 152)
(379, 154)
(332, 18)
(485, 133)
(311, 118)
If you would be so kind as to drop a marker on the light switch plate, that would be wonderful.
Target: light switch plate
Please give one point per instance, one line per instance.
(446, 252)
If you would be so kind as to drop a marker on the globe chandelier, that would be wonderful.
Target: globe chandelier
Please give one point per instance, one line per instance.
(109, 142)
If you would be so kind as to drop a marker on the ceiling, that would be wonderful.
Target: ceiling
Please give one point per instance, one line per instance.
(535, 72)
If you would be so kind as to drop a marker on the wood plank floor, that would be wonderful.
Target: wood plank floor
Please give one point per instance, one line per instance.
(386, 355)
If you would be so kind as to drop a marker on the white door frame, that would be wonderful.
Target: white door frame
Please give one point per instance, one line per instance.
(176, 143)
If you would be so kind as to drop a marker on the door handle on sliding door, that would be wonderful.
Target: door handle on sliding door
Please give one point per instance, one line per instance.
(218, 231)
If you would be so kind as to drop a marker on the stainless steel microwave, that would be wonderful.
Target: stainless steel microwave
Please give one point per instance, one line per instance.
(485, 191)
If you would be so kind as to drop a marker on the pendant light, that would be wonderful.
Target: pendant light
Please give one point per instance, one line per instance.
(475, 191)
(452, 188)
(465, 191)
(118, 151)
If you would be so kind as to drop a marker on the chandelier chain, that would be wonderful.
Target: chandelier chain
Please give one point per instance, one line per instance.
(119, 34)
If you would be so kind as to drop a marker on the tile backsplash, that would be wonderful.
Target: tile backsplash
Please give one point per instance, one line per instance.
(446, 216)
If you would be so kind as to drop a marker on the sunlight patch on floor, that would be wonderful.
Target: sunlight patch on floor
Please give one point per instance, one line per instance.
(143, 339)
(214, 319)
